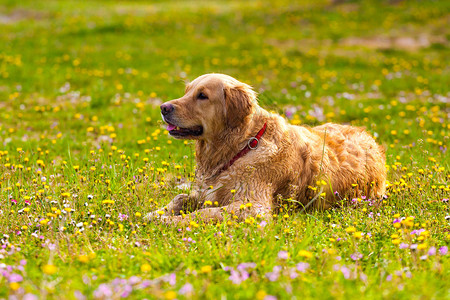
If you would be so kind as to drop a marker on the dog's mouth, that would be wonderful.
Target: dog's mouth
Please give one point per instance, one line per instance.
(179, 132)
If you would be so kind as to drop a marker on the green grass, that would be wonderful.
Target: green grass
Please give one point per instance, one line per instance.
(80, 86)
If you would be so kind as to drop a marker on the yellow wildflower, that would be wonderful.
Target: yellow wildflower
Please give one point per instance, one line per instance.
(305, 253)
(350, 229)
(49, 269)
(206, 269)
(146, 268)
(357, 235)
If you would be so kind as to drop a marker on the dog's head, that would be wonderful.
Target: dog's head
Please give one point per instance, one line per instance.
(211, 104)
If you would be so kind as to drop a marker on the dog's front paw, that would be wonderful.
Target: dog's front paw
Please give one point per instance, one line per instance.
(171, 220)
(155, 217)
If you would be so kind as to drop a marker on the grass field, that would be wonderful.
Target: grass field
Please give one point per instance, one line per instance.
(84, 154)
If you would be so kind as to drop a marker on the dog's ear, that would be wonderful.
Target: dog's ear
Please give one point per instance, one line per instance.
(239, 101)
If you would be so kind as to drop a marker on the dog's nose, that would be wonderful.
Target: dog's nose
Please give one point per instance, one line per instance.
(166, 109)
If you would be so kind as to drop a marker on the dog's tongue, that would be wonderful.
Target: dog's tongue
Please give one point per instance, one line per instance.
(171, 127)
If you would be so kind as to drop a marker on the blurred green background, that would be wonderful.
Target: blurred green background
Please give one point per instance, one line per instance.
(105, 47)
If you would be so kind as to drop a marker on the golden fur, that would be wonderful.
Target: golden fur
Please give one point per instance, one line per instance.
(290, 162)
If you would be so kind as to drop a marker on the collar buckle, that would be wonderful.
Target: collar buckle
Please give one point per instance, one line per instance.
(251, 141)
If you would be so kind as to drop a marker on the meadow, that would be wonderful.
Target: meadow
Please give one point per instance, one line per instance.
(84, 155)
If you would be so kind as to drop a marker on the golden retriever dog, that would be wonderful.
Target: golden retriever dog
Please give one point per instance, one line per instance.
(251, 161)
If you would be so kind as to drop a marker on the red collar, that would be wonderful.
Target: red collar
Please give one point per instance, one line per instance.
(252, 143)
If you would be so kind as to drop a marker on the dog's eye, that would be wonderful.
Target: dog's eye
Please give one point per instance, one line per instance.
(202, 96)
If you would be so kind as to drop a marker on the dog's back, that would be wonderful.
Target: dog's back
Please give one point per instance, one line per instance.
(354, 160)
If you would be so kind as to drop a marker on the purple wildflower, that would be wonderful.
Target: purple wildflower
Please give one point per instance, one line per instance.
(122, 217)
(283, 255)
(245, 266)
(15, 277)
(241, 274)
(186, 289)
(134, 280)
(172, 279)
(346, 272)
(127, 289)
(103, 291)
(432, 251)
(79, 296)
(403, 246)
(302, 267)
(145, 284)
(417, 231)
(443, 250)
(288, 113)
(293, 273)
(235, 277)
(356, 256)
(274, 275)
